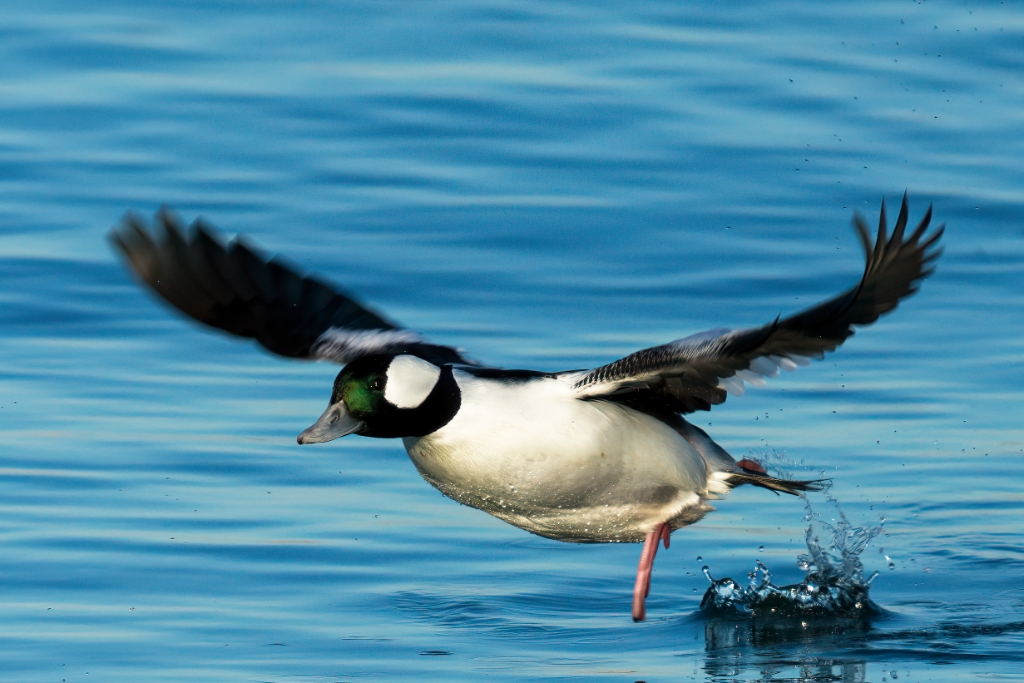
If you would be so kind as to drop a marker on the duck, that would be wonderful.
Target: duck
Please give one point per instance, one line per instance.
(601, 455)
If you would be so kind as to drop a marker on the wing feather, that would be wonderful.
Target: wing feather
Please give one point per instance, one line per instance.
(234, 288)
(697, 372)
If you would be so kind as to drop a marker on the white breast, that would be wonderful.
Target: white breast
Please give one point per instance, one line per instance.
(534, 455)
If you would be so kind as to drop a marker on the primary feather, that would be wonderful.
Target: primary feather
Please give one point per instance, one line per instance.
(236, 289)
(696, 372)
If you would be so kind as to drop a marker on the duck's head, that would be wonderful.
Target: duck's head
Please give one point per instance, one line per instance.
(387, 395)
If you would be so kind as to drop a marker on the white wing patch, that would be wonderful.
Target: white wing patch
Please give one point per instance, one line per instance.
(760, 369)
(410, 381)
(341, 345)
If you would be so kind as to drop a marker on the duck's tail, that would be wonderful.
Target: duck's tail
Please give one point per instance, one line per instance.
(752, 472)
(725, 474)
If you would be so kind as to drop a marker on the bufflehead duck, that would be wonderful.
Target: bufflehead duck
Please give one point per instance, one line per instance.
(598, 456)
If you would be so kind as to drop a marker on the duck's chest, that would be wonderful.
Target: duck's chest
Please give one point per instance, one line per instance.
(533, 445)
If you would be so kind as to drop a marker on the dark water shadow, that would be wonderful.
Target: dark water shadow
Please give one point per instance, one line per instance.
(831, 648)
(771, 648)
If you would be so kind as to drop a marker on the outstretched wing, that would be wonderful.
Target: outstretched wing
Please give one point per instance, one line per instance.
(696, 372)
(236, 289)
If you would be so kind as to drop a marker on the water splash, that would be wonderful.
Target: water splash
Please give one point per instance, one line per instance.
(834, 585)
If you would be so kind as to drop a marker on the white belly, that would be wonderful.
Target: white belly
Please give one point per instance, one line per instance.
(537, 457)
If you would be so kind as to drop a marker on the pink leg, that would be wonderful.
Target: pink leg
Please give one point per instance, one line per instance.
(642, 587)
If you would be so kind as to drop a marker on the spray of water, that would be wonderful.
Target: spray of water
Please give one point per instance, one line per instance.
(834, 584)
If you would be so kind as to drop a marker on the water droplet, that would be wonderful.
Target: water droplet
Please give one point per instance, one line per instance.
(760, 549)
(834, 582)
(700, 559)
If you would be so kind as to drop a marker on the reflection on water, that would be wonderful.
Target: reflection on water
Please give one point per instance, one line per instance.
(770, 649)
(767, 647)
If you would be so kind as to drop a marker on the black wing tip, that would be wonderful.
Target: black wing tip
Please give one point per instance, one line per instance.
(131, 221)
(115, 238)
(886, 249)
(234, 286)
(168, 221)
(904, 204)
(134, 227)
(934, 237)
(863, 233)
(901, 219)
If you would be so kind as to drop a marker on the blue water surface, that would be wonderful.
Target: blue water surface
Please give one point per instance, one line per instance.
(548, 185)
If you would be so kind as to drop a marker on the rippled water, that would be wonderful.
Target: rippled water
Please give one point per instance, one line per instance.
(547, 185)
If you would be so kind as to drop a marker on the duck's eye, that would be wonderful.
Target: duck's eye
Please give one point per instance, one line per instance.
(376, 383)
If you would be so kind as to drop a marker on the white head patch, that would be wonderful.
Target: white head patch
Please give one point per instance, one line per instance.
(410, 380)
